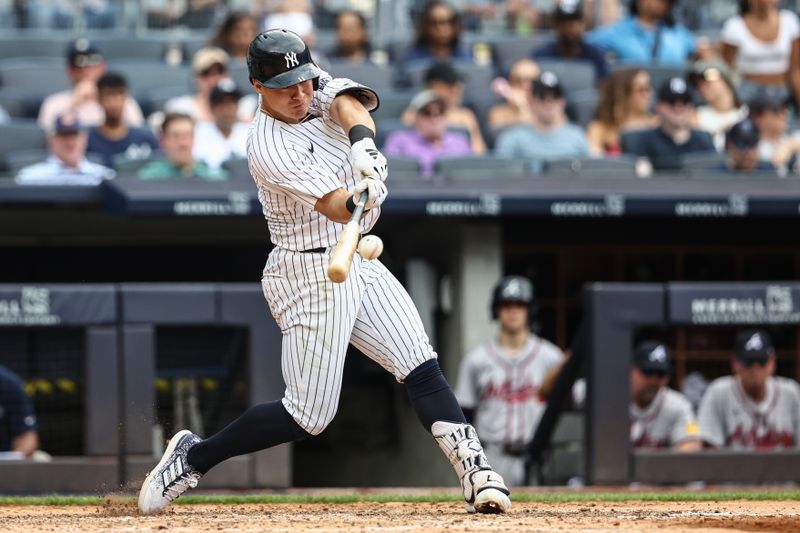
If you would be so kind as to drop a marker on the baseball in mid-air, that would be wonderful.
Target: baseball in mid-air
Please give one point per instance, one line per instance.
(370, 247)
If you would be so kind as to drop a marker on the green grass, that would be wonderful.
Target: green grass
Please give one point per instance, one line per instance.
(534, 497)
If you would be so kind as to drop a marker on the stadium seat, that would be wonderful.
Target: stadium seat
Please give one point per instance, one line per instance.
(477, 77)
(127, 168)
(385, 127)
(237, 168)
(506, 50)
(41, 76)
(403, 168)
(574, 75)
(144, 76)
(480, 167)
(698, 164)
(26, 46)
(18, 159)
(582, 105)
(191, 45)
(617, 167)
(154, 99)
(20, 135)
(115, 47)
(392, 105)
(241, 76)
(378, 77)
(13, 101)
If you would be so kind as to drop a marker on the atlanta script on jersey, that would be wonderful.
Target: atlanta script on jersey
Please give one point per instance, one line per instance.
(729, 418)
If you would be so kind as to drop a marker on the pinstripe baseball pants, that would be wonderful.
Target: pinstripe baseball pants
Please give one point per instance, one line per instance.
(318, 318)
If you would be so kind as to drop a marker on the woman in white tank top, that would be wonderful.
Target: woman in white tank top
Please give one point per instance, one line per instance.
(763, 44)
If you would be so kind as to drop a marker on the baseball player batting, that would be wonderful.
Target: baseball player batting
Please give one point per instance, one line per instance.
(311, 152)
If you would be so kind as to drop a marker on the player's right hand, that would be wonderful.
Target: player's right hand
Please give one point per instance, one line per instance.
(376, 192)
(367, 161)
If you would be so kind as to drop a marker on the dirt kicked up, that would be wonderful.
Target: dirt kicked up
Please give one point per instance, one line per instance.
(662, 517)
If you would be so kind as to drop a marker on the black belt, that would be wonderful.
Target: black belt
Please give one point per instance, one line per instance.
(315, 250)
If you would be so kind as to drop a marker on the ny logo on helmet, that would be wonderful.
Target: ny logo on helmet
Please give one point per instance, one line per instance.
(291, 59)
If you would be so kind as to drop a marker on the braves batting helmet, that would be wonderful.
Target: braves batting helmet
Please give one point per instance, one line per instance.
(279, 58)
(512, 289)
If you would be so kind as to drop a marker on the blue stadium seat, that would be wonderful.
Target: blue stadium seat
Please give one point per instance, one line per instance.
(144, 75)
(617, 167)
(29, 46)
(237, 168)
(378, 77)
(42, 76)
(582, 105)
(477, 77)
(115, 47)
(20, 135)
(481, 167)
(507, 49)
(404, 168)
(393, 103)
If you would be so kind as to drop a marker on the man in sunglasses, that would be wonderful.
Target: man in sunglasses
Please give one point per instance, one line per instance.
(660, 417)
(752, 409)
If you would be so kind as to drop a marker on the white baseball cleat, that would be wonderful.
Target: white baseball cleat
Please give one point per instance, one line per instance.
(171, 477)
(484, 489)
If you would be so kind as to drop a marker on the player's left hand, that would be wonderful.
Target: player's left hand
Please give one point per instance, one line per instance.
(367, 161)
(376, 192)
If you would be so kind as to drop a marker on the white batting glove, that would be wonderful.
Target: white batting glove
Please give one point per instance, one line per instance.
(367, 161)
(376, 192)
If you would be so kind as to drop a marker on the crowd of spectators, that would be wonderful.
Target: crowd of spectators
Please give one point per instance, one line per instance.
(657, 93)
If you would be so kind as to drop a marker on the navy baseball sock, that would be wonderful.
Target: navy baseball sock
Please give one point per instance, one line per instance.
(432, 396)
(260, 427)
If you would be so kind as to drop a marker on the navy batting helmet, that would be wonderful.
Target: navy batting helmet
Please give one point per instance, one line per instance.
(512, 289)
(279, 58)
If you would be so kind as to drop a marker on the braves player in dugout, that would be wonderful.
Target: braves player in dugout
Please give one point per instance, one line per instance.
(311, 152)
(500, 382)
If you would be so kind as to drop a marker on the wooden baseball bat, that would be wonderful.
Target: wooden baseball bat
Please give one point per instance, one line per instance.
(342, 256)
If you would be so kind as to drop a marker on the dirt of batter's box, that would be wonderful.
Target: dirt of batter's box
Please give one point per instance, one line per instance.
(119, 514)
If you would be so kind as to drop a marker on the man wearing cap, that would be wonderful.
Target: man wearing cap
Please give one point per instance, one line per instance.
(85, 65)
(210, 65)
(550, 136)
(569, 43)
(115, 138)
(666, 144)
(660, 417)
(443, 79)
(751, 409)
(177, 142)
(429, 140)
(18, 427)
(224, 137)
(67, 164)
(741, 147)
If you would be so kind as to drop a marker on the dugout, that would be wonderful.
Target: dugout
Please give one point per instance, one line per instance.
(448, 241)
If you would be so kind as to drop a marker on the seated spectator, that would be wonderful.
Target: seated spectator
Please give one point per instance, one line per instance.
(177, 142)
(235, 34)
(210, 65)
(624, 105)
(85, 65)
(429, 140)
(447, 82)
(438, 35)
(778, 144)
(741, 148)
(649, 34)
(569, 43)
(665, 145)
(94, 14)
(761, 43)
(352, 41)
(550, 136)
(115, 137)
(18, 431)
(67, 164)
(518, 92)
(751, 409)
(217, 141)
(721, 108)
(660, 417)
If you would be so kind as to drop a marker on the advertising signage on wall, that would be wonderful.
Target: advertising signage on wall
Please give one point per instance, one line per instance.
(741, 303)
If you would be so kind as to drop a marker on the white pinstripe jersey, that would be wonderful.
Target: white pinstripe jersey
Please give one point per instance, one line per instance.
(728, 417)
(504, 389)
(294, 165)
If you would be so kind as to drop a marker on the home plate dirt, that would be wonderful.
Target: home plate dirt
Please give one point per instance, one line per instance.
(659, 517)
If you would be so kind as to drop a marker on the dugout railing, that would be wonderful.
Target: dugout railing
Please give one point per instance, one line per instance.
(141, 346)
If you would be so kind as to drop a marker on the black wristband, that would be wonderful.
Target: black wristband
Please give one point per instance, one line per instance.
(350, 204)
(358, 132)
